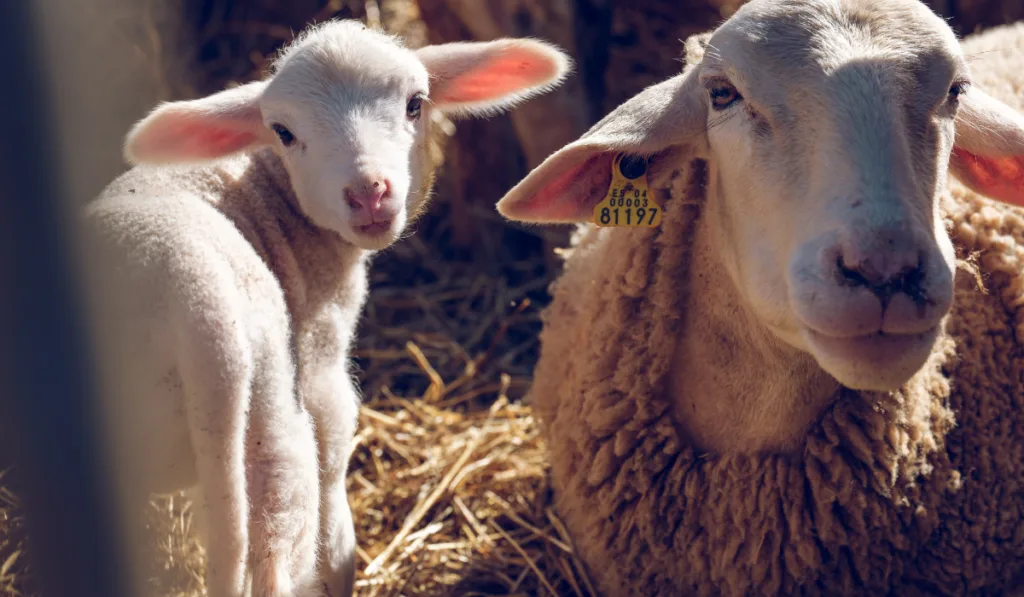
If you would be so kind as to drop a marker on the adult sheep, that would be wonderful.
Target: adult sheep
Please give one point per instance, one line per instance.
(809, 379)
(233, 273)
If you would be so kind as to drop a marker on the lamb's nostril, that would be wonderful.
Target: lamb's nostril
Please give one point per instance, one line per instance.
(352, 201)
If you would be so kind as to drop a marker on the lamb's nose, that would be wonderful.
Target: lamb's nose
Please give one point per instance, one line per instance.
(367, 194)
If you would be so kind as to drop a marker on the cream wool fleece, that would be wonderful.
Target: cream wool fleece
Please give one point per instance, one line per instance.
(915, 492)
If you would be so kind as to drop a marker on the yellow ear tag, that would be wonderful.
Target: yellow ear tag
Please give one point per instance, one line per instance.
(628, 202)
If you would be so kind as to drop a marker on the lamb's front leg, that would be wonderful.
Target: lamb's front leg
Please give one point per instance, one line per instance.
(335, 407)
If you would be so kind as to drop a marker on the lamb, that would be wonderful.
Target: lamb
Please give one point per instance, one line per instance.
(234, 260)
(809, 378)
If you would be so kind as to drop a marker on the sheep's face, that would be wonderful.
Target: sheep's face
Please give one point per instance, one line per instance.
(346, 110)
(828, 128)
(829, 132)
(348, 113)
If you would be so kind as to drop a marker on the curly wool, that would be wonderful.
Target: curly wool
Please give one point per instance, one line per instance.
(915, 492)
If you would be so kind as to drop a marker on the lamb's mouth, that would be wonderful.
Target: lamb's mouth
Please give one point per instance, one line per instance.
(877, 348)
(376, 228)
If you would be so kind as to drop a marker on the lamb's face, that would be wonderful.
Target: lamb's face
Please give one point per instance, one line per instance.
(348, 108)
(830, 131)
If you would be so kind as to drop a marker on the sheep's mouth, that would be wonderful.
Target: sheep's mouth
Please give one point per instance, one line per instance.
(877, 356)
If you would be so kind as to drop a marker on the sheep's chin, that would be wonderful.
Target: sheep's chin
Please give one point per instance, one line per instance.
(874, 362)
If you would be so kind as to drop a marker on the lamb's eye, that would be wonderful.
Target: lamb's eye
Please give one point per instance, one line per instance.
(415, 106)
(284, 134)
(723, 95)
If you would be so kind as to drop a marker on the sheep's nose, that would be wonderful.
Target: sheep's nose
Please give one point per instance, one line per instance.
(368, 194)
(892, 263)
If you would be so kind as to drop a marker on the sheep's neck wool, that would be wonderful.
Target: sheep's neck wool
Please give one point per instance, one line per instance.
(904, 491)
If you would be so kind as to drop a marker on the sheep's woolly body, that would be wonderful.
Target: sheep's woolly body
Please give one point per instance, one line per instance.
(918, 492)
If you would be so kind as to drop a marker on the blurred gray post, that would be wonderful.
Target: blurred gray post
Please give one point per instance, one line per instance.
(81, 73)
(48, 422)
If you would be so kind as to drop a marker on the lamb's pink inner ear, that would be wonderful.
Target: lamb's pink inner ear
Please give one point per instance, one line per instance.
(195, 137)
(1001, 178)
(497, 76)
(212, 127)
(570, 196)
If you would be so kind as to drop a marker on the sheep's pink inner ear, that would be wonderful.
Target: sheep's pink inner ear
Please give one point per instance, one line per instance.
(988, 155)
(1001, 178)
(568, 197)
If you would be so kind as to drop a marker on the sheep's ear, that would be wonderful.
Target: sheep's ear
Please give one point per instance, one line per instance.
(988, 155)
(215, 126)
(695, 47)
(570, 182)
(479, 78)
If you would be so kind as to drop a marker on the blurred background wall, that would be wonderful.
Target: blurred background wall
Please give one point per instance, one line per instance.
(620, 46)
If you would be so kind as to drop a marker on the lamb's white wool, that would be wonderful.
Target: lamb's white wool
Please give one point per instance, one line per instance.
(233, 273)
(829, 129)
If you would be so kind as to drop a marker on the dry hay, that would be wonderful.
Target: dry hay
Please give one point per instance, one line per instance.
(12, 540)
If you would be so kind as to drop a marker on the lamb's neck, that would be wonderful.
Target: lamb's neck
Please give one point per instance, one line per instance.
(735, 387)
(316, 268)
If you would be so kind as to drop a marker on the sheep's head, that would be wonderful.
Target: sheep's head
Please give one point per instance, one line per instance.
(346, 108)
(828, 128)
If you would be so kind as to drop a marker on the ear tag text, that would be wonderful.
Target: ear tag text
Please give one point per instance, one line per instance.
(628, 202)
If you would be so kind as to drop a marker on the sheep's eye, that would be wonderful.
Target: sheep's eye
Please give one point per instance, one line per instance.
(956, 90)
(284, 134)
(415, 106)
(723, 95)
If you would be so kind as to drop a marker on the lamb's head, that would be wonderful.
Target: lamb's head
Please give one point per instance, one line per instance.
(346, 108)
(828, 128)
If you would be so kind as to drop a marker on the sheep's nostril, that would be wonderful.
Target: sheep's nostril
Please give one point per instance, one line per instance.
(850, 276)
(909, 280)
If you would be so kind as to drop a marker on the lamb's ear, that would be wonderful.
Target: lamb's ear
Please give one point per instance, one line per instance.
(481, 78)
(215, 126)
(570, 182)
(988, 155)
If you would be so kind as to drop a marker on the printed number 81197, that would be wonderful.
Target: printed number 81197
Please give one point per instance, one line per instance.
(626, 202)
(629, 216)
